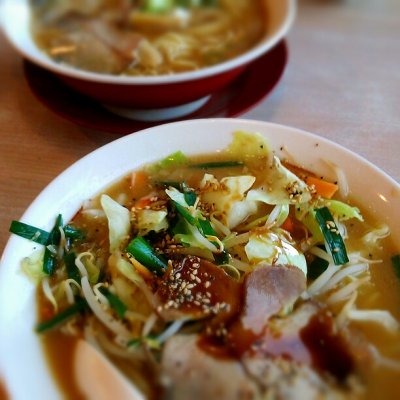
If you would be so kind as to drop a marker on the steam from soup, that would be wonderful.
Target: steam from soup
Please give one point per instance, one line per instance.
(146, 37)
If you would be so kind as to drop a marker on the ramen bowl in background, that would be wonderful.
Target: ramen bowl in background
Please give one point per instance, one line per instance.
(175, 94)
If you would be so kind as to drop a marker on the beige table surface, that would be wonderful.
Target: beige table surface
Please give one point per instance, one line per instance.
(342, 82)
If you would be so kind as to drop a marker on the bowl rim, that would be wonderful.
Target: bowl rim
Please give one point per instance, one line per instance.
(171, 135)
(66, 71)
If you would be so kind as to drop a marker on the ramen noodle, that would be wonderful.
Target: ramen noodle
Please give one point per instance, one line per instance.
(146, 37)
(231, 276)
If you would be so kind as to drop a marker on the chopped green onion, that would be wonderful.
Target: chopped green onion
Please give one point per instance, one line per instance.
(55, 234)
(189, 194)
(50, 258)
(73, 233)
(79, 306)
(29, 232)
(332, 235)
(316, 268)
(221, 258)
(49, 262)
(218, 164)
(396, 264)
(146, 255)
(185, 213)
(204, 227)
(115, 302)
(72, 269)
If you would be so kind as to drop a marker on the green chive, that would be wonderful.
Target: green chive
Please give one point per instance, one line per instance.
(189, 194)
(29, 232)
(50, 258)
(73, 233)
(72, 269)
(332, 235)
(185, 213)
(115, 302)
(316, 268)
(49, 262)
(146, 255)
(79, 306)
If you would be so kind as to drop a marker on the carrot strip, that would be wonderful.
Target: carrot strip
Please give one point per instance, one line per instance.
(141, 269)
(323, 188)
(143, 202)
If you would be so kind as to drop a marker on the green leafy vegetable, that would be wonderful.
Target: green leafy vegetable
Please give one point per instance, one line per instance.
(115, 302)
(29, 232)
(141, 250)
(79, 306)
(332, 235)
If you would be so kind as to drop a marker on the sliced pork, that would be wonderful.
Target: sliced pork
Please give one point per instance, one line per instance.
(267, 291)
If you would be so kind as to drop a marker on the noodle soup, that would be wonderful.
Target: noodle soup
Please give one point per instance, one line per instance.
(146, 37)
(235, 275)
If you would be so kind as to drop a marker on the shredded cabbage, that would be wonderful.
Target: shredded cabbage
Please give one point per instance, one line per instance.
(372, 237)
(248, 145)
(151, 220)
(32, 266)
(281, 186)
(274, 249)
(343, 211)
(87, 267)
(118, 221)
(228, 197)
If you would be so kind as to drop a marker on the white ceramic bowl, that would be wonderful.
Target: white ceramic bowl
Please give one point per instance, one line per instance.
(22, 366)
(147, 92)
